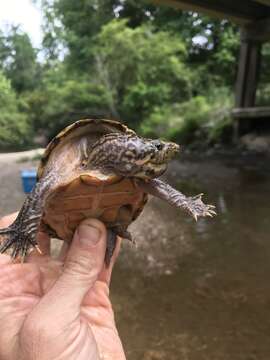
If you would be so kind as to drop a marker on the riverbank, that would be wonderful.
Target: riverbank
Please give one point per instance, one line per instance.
(188, 290)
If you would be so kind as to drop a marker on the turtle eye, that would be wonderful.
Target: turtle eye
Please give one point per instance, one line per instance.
(159, 146)
(84, 164)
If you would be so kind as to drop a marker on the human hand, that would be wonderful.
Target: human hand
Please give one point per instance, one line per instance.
(59, 309)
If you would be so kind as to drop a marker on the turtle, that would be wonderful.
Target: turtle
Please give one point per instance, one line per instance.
(95, 168)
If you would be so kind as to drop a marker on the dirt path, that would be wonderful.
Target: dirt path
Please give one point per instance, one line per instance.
(20, 156)
(11, 165)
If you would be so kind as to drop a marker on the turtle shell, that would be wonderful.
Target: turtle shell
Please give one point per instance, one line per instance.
(81, 194)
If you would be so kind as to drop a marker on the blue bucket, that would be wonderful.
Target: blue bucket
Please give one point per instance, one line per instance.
(29, 179)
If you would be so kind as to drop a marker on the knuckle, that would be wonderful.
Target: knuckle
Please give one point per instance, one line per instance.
(82, 266)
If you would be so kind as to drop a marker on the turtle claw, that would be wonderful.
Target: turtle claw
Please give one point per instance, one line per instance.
(38, 249)
(14, 239)
(10, 235)
(199, 196)
(197, 208)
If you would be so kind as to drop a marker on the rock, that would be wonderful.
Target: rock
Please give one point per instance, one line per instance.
(256, 143)
(154, 355)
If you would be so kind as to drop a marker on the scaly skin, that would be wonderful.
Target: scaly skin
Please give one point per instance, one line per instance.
(21, 234)
(126, 155)
(193, 205)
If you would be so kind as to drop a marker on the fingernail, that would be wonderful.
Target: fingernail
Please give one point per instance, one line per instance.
(88, 235)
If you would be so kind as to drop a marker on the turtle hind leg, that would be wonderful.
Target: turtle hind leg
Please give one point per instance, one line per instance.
(21, 235)
(112, 234)
(111, 244)
(18, 240)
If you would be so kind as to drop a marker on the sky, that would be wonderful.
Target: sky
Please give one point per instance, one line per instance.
(26, 14)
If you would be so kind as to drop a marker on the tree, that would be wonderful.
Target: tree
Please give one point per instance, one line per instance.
(18, 59)
(141, 69)
(15, 130)
(130, 60)
(62, 99)
(73, 24)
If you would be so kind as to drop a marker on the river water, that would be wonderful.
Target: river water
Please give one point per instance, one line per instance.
(193, 291)
(200, 291)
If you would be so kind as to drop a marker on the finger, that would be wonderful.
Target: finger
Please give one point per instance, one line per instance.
(5, 259)
(18, 279)
(5, 221)
(106, 272)
(82, 267)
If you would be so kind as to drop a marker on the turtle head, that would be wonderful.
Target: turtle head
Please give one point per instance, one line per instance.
(154, 157)
(163, 151)
(132, 156)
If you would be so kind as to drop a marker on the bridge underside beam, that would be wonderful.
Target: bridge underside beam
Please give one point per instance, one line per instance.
(240, 11)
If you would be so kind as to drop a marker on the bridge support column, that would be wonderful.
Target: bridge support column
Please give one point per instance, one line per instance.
(247, 77)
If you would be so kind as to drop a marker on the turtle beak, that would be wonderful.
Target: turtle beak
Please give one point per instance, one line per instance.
(171, 149)
(144, 160)
(175, 148)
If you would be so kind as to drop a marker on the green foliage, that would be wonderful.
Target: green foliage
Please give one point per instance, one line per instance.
(177, 122)
(224, 59)
(61, 100)
(263, 92)
(147, 65)
(263, 95)
(18, 59)
(74, 24)
(141, 69)
(15, 130)
(201, 119)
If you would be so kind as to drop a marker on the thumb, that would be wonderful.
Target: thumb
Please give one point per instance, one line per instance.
(83, 264)
(60, 307)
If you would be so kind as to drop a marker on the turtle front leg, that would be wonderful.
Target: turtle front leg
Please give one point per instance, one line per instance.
(21, 235)
(193, 205)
